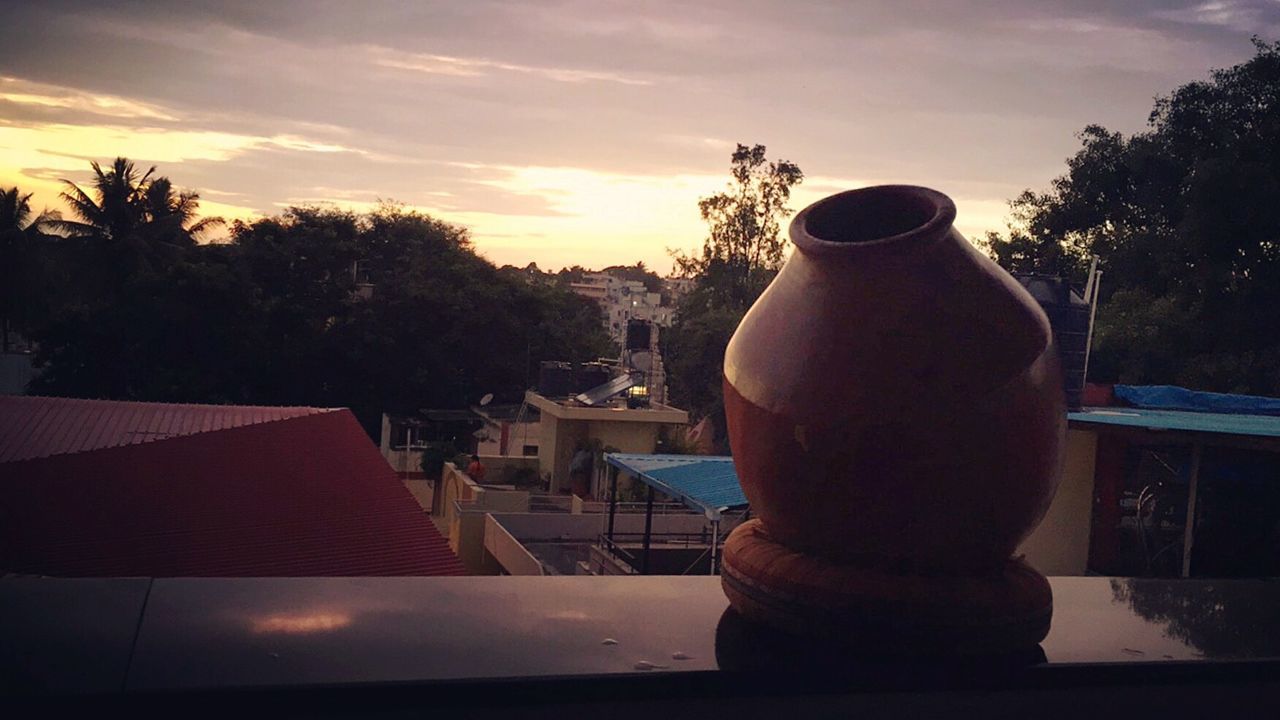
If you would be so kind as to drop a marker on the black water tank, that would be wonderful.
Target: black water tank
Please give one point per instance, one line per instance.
(591, 375)
(555, 379)
(1069, 317)
(639, 334)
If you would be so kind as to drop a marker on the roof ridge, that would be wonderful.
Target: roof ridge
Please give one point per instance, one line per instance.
(34, 427)
(171, 403)
(163, 437)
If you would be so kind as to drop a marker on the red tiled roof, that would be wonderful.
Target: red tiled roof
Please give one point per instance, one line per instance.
(308, 495)
(35, 427)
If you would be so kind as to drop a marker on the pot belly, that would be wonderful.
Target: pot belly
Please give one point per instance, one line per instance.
(947, 486)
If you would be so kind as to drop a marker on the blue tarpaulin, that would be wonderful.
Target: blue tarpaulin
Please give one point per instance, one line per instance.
(707, 483)
(1171, 397)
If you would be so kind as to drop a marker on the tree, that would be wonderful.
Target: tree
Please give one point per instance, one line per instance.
(637, 273)
(119, 207)
(171, 216)
(1185, 217)
(693, 354)
(743, 248)
(131, 219)
(184, 332)
(22, 241)
(276, 316)
(443, 326)
(571, 274)
(741, 254)
(15, 212)
(139, 311)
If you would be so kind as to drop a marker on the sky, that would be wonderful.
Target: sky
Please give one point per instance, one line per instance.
(585, 131)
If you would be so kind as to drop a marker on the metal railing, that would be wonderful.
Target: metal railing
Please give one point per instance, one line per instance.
(563, 502)
(685, 539)
(617, 552)
(614, 546)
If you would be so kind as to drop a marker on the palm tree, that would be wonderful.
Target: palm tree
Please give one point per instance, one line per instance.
(15, 213)
(170, 214)
(15, 209)
(133, 211)
(19, 233)
(119, 208)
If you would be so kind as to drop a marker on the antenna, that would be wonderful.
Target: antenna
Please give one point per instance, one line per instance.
(1095, 281)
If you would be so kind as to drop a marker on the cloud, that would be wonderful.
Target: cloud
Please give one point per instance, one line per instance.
(1253, 17)
(74, 127)
(81, 124)
(479, 67)
(293, 142)
(24, 92)
(72, 146)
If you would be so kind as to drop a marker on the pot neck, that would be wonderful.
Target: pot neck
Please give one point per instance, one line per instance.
(876, 222)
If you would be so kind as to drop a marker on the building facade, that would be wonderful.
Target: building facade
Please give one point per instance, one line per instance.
(622, 300)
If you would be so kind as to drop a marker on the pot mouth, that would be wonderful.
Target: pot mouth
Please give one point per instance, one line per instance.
(877, 218)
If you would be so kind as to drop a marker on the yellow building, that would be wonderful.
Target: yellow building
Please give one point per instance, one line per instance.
(1060, 544)
(566, 425)
(1164, 492)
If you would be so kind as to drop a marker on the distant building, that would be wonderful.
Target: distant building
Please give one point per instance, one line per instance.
(625, 303)
(16, 367)
(696, 502)
(403, 437)
(96, 488)
(567, 426)
(508, 430)
(488, 431)
(622, 300)
(678, 287)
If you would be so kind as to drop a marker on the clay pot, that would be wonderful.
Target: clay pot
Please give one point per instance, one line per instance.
(894, 400)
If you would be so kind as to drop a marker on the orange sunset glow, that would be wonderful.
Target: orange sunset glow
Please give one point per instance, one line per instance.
(572, 133)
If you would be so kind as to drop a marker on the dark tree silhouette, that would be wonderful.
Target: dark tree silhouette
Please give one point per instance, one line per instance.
(383, 311)
(1186, 219)
(744, 245)
(119, 206)
(22, 245)
(171, 215)
(130, 218)
(742, 252)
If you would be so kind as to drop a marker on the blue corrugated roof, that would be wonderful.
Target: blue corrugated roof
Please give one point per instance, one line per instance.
(707, 483)
(1221, 423)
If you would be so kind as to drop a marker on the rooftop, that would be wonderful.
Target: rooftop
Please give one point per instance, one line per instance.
(1180, 420)
(211, 492)
(571, 410)
(706, 483)
(1170, 408)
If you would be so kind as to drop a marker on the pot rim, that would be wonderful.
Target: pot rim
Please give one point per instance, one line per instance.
(935, 210)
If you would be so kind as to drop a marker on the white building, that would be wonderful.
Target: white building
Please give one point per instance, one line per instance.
(622, 300)
(678, 287)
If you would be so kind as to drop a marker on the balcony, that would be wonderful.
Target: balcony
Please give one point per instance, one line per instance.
(625, 646)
